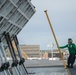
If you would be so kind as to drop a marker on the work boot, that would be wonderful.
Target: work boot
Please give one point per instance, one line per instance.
(71, 66)
(68, 66)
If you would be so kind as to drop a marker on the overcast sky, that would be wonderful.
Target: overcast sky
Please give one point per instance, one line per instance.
(62, 14)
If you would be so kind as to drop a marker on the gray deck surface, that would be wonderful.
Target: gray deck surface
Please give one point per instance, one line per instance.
(73, 70)
(48, 71)
(48, 67)
(51, 71)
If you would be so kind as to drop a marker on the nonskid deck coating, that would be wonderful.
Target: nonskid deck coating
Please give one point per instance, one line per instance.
(48, 71)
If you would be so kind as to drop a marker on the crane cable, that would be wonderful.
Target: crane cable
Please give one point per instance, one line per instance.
(67, 70)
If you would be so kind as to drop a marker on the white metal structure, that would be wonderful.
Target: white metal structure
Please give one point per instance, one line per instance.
(14, 14)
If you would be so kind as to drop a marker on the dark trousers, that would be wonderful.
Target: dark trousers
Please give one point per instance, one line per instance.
(71, 59)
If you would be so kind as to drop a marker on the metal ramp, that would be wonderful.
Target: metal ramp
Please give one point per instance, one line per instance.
(14, 15)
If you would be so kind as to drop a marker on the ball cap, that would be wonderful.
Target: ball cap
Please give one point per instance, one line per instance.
(70, 40)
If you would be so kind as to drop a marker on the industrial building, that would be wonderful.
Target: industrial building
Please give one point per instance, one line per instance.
(31, 50)
(48, 53)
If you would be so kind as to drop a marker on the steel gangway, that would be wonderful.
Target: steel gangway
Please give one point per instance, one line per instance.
(14, 15)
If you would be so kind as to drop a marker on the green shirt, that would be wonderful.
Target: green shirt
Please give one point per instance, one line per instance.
(71, 47)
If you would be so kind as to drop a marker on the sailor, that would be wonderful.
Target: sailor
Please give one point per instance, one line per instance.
(72, 52)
